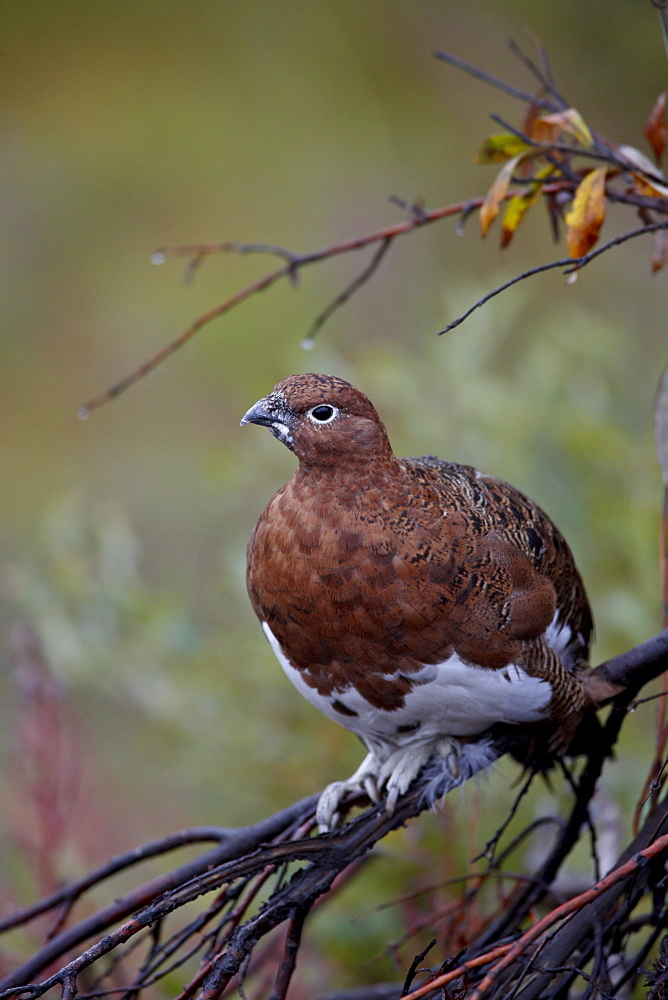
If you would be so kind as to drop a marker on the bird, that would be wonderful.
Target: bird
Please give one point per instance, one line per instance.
(415, 601)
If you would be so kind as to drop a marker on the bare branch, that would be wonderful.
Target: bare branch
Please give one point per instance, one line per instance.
(347, 292)
(254, 852)
(494, 81)
(296, 262)
(71, 892)
(571, 264)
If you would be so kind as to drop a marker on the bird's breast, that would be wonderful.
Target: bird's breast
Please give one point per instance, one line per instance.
(355, 596)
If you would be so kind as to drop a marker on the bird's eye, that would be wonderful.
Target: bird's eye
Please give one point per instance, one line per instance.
(322, 414)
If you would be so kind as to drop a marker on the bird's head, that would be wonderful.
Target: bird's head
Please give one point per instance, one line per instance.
(324, 420)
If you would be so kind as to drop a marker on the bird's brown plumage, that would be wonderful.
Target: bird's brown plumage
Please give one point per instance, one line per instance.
(367, 568)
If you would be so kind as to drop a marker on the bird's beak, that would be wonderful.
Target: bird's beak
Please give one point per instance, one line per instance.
(259, 414)
(273, 412)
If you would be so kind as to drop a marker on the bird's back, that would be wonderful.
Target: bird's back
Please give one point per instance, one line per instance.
(492, 509)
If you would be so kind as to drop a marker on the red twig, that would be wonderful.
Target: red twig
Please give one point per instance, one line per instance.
(289, 961)
(247, 852)
(568, 908)
(382, 236)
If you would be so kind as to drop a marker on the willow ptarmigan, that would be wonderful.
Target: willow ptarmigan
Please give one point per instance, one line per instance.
(413, 601)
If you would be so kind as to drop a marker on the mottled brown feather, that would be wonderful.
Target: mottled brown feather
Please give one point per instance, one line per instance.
(366, 567)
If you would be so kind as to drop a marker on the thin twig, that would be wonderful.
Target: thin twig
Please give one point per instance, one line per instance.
(348, 291)
(494, 81)
(73, 890)
(488, 849)
(415, 966)
(295, 263)
(287, 967)
(571, 264)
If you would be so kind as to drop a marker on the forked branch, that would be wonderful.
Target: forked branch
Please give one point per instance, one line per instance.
(553, 156)
(224, 938)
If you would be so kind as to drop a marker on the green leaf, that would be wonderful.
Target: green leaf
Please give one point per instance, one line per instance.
(501, 147)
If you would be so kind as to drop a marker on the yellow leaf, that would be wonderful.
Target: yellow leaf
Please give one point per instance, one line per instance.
(547, 128)
(586, 215)
(519, 205)
(497, 148)
(516, 209)
(496, 194)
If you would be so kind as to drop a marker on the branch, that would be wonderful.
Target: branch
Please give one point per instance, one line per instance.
(249, 852)
(644, 188)
(71, 892)
(239, 842)
(494, 81)
(295, 263)
(572, 264)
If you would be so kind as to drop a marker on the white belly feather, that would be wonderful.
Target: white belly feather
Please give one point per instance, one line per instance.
(451, 698)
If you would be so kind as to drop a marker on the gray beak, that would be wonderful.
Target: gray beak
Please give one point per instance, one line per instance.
(259, 414)
(272, 412)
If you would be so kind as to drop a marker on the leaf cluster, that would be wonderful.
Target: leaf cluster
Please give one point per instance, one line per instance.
(555, 157)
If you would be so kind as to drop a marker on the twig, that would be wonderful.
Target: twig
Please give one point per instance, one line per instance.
(243, 840)
(71, 892)
(296, 262)
(249, 851)
(447, 977)
(593, 839)
(490, 846)
(348, 291)
(415, 966)
(585, 909)
(511, 952)
(287, 966)
(544, 76)
(571, 264)
(494, 81)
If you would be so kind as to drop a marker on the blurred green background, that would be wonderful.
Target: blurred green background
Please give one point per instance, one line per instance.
(128, 126)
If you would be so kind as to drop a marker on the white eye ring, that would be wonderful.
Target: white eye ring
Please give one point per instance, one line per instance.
(323, 417)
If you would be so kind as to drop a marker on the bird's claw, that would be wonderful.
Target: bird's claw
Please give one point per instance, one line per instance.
(451, 750)
(365, 779)
(395, 774)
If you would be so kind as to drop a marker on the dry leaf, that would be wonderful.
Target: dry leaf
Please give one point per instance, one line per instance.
(659, 250)
(548, 128)
(496, 194)
(531, 114)
(586, 215)
(637, 159)
(655, 126)
(651, 189)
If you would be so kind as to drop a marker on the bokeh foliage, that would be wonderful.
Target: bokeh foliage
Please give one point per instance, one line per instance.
(129, 126)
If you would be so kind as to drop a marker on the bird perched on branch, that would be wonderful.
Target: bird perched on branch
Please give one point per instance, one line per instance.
(414, 601)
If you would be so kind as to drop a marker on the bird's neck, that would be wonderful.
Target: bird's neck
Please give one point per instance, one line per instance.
(349, 474)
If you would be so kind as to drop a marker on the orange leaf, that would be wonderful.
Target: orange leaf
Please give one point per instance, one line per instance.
(586, 215)
(659, 250)
(651, 189)
(655, 127)
(496, 194)
(531, 114)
